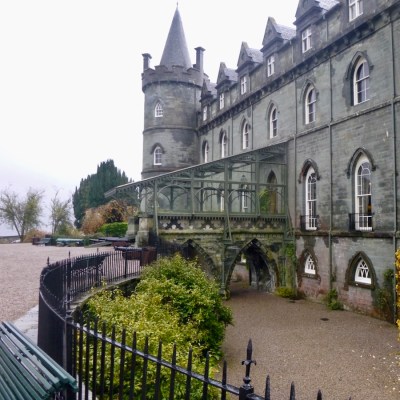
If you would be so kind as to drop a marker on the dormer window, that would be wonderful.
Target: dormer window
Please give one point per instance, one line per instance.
(270, 66)
(221, 101)
(306, 40)
(205, 113)
(355, 9)
(158, 110)
(243, 85)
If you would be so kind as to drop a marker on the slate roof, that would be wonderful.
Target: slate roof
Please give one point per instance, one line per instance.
(176, 50)
(328, 4)
(286, 32)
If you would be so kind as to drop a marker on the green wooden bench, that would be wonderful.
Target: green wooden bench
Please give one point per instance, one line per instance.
(26, 372)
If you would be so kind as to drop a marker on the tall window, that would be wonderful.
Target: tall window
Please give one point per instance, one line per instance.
(243, 85)
(363, 215)
(361, 82)
(311, 200)
(157, 155)
(205, 113)
(206, 149)
(245, 135)
(306, 39)
(221, 101)
(158, 110)
(224, 144)
(310, 105)
(355, 9)
(273, 123)
(244, 199)
(270, 66)
(309, 265)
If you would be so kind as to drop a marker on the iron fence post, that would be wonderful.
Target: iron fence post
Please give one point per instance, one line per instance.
(247, 389)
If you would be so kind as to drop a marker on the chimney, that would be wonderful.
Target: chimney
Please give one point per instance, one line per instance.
(199, 59)
(146, 61)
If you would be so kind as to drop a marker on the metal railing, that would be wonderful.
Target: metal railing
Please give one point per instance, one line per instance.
(109, 368)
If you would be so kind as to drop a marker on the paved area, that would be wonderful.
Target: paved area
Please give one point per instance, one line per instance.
(342, 353)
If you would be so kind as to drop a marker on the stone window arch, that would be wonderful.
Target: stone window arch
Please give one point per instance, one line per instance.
(223, 142)
(360, 272)
(206, 151)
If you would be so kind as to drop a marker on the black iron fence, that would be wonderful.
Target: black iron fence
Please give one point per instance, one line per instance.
(107, 367)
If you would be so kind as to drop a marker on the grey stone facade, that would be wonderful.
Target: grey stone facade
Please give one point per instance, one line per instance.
(330, 137)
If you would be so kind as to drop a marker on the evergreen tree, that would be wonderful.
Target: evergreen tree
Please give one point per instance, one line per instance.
(91, 189)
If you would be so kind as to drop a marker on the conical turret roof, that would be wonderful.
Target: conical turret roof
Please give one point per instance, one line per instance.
(175, 50)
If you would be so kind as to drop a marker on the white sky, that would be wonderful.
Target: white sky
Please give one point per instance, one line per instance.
(70, 78)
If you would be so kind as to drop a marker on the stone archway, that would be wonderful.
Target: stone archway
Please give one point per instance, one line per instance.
(261, 266)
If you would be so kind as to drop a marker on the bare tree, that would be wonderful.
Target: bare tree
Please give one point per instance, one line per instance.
(21, 214)
(60, 214)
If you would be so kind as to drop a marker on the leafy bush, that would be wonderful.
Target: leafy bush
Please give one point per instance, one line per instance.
(175, 302)
(115, 229)
(331, 300)
(397, 275)
(286, 292)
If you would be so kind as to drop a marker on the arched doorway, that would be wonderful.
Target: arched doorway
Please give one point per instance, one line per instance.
(255, 267)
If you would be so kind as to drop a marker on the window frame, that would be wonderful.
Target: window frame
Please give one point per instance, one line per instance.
(205, 113)
(224, 144)
(310, 105)
(245, 135)
(309, 265)
(158, 110)
(273, 122)
(311, 217)
(356, 8)
(306, 44)
(221, 100)
(243, 84)
(157, 156)
(361, 80)
(270, 65)
(362, 198)
(206, 149)
(362, 273)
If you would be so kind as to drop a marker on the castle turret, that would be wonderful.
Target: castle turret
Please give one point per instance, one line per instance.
(172, 101)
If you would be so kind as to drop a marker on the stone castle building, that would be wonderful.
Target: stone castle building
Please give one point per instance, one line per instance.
(296, 147)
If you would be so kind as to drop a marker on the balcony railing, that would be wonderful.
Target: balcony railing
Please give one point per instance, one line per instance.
(309, 222)
(360, 222)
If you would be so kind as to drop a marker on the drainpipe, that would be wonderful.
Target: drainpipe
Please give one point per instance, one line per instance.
(393, 124)
(295, 169)
(331, 178)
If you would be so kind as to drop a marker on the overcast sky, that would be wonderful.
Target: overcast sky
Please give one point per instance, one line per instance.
(70, 78)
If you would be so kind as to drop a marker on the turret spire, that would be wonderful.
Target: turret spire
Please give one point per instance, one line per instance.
(175, 50)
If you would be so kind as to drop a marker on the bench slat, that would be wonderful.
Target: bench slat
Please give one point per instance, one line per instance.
(26, 370)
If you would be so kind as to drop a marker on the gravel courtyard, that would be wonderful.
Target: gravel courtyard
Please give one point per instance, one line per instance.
(342, 353)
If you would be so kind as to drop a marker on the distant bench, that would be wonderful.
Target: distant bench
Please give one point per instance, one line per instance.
(27, 372)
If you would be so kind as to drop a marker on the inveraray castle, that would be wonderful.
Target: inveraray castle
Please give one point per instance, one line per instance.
(289, 161)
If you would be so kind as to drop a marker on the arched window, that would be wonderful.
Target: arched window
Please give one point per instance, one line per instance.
(206, 150)
(223, 144)
(311, 200)
(360, 82)
(309, 265)
(245, 135)
(157, 156)
(310, 101)
(244, 198)
(158, 110)
(363, 195)
(273, 122)
(362, 273)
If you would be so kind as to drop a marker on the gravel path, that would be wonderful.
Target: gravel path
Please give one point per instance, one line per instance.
(342, 353)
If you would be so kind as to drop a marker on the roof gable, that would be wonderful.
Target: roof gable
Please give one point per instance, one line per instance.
(313, 7)
(275, 32)
(249, 56)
